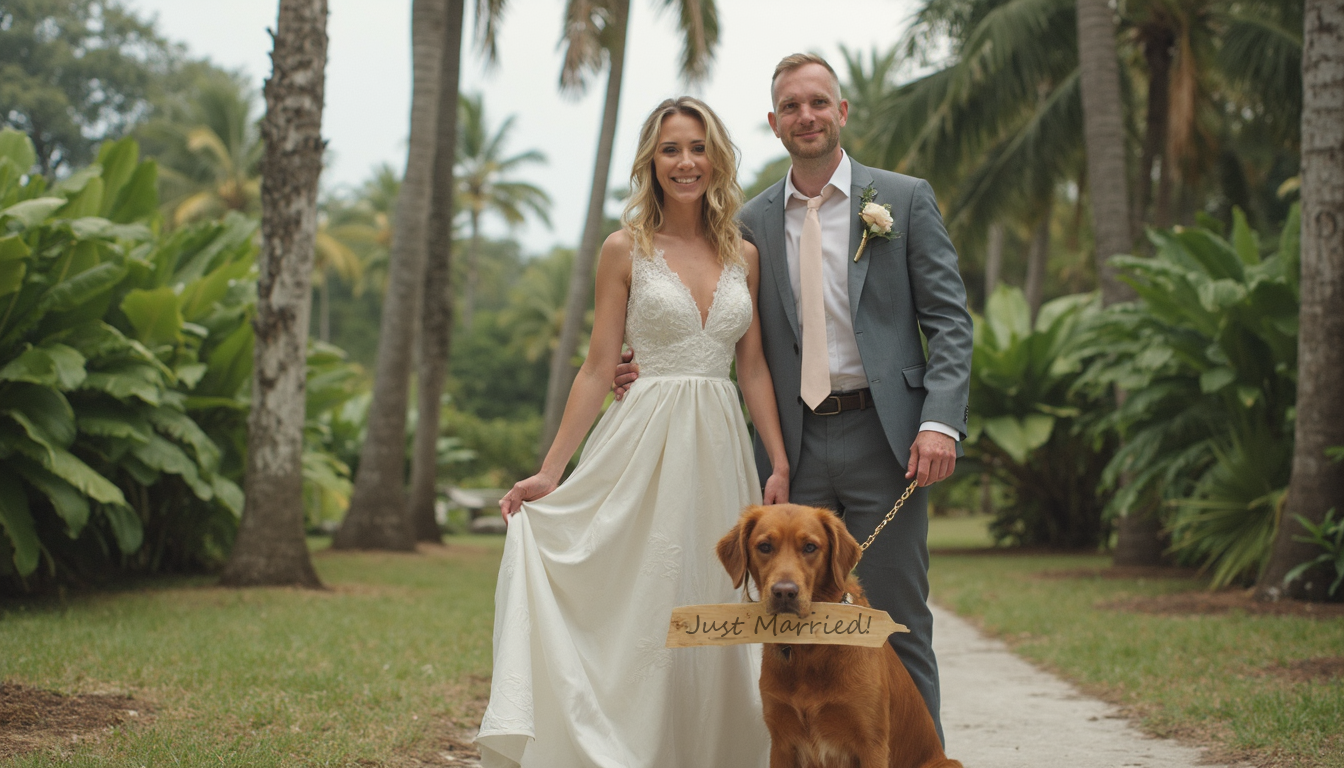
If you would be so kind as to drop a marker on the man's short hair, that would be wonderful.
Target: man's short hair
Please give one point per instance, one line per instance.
(794, 61)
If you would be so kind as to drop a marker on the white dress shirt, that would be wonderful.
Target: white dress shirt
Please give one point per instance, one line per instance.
(847, 372)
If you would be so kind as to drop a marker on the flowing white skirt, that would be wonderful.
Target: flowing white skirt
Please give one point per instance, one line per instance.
(588, 580)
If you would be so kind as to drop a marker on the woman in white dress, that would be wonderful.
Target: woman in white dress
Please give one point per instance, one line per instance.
(592, 568)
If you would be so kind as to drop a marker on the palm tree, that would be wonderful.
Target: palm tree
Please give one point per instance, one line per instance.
(594, 27)
(1104, 137)
(1317, 484)
(209, 151)
(484, 186)
(377, 518)
(436, 321)
(333, 253)
(270, 548)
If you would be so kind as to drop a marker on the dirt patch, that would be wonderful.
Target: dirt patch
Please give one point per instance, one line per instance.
(1223, 602)
(1322, 669)
(32, 719)
(1122, 572)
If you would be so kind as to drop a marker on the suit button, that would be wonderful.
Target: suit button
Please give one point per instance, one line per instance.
(795, 348)
(800, 399)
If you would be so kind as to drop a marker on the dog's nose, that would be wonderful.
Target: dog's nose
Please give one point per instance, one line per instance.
(784, 590)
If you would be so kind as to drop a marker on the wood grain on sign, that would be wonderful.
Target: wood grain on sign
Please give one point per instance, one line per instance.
(736, 623)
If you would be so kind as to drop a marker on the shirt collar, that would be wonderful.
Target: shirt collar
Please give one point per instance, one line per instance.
(840, 180)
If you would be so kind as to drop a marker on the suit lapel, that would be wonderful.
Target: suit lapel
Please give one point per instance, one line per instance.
(775, 256)
(858, 270)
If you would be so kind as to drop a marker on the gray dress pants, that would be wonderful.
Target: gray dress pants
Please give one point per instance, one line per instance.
(846, 465)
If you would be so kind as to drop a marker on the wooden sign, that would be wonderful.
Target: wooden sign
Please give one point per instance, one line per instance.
(736, 623)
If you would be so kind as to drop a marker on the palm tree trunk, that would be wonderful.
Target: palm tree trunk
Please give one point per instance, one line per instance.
(581, 278)
(473, 253)
(993, 259)
(270, 548)
(1157, 54)
(437, 317)
(1104, 135)
(1037, 258)
(378, 517)
(1317, 484)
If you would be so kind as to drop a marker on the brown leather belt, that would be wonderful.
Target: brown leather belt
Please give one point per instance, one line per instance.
(838, 402)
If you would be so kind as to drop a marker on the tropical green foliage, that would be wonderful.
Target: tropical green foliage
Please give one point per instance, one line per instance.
(1208, 357)
(125, 363)
(110, 338)
(1026, 420)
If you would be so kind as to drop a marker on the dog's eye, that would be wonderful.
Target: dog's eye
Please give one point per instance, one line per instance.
(764, 548)
(809, 547)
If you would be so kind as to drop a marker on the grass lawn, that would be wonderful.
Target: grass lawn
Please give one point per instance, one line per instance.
(378, 670)
(390, 665)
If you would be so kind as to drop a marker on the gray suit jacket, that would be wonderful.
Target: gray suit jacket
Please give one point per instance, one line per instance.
(900, 287)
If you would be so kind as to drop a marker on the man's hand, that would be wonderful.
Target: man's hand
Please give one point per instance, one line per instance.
(933, 456)
(626, 373)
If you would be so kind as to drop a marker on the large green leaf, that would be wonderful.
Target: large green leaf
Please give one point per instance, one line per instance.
(82, 288)
(126, 379)
(30, 213)
(155, 314)
(71, 505)
(200, 297)
(16, 147)
(13, 264)
(90, 227)
(17, 521)
(118, 160)
(44, 414)
(139, 197)
(71, 469)
(126, 527)
(184, 429)
(1019, 437)
(228, 493)
(51, 365)
(164, 456)
(121, 423)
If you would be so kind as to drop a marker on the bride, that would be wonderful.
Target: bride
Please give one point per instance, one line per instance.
(592, 568)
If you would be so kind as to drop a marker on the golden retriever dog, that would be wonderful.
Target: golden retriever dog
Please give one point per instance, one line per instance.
(826, 706)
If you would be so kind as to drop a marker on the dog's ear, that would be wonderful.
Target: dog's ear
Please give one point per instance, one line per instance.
(845, 552)
(732, 548)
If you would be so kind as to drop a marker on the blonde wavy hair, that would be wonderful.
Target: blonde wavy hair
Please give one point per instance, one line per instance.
(643, 214)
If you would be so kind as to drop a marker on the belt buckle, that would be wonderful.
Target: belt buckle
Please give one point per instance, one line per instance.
(831, 398)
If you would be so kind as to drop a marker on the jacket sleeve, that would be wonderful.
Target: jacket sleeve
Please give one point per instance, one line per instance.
(940, 309)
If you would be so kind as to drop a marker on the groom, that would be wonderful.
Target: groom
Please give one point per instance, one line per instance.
(863, 410)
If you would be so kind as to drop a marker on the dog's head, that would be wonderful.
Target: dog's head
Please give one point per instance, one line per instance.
(795, 554)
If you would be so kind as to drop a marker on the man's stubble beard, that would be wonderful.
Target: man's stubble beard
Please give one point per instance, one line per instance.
(832, 140)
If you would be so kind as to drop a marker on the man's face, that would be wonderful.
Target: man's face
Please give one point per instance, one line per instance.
(808, 112)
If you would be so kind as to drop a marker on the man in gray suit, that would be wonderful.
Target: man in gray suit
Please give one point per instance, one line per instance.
(863, 410)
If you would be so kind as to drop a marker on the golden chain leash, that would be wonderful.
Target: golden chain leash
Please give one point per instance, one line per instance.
(895, 508)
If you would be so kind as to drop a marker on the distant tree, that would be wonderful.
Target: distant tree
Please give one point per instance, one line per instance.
(270, 548)
(1317, 485)
(484, 187)
(377, 518)
(74, 73)
(209, 149)
(436, 316)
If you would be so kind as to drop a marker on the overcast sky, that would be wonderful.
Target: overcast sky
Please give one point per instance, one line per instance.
(366, 121)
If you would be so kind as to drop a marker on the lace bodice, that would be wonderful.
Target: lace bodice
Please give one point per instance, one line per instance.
(662, 321)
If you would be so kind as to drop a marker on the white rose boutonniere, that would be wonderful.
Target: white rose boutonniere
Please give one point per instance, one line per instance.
(876, 219)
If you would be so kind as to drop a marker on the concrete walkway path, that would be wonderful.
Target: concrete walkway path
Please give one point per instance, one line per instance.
(1001, 712)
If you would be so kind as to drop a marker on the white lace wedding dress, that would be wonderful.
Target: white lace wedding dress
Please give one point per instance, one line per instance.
(591, 572)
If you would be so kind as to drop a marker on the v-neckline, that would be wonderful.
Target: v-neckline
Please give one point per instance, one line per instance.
(702, 314)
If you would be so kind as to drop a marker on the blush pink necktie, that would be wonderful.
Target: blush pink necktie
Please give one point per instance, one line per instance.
(816, 373)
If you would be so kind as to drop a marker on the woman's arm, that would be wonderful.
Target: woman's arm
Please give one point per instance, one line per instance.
(753, 378)
(593, 382)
